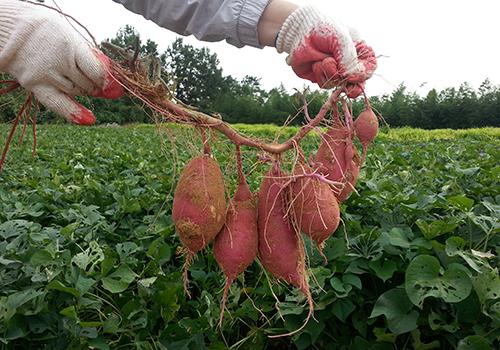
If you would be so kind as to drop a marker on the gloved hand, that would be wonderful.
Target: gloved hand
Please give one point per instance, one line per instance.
(325, 52)
(45, 54)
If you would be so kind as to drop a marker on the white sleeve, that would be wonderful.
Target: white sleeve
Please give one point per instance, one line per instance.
(209, 20)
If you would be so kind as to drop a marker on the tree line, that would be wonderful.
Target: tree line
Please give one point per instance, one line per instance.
(197, 79)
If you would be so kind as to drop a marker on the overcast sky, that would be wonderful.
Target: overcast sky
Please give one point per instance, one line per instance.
(434, 43)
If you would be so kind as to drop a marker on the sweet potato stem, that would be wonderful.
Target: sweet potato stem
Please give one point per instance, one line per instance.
(239, 164)
(227, 286)
(206, 146)
(13, 130)
(157, 98)
(34, 135)
(188, 260)
(12, 85)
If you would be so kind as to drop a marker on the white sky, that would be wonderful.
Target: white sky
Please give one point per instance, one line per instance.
(438, 42)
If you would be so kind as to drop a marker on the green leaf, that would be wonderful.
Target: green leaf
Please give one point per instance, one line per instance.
(384, 337)
(473, 342)
(454, 245)
(398, 310)
(7, 262)
(111, 324)
(69, 312)
(337, 284)
(487, 285)
(384, 269)
(397, 237)
(494, 312)
(461, 202)
(41, 257)
(353, 280)
(438, 322)
(321, 274)
(12, 304)
(147, 282)
(14, 228)
(119, 280)
(160, 251)
(84, 284)
(88, 332)
(69, 230)
(342, 308)
(56, 285)
(15, 330)
(436, 228)
(335, 248)
(88, 259)
(340, 287)
(99, 343)
(424, 279)
(358, 267)
(291, 309)
(476, 260)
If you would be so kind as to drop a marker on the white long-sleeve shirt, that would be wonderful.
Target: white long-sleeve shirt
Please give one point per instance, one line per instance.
(209, 20)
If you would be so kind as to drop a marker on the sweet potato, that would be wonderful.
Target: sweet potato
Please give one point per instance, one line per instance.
(315, 207)
(366, 127)
(199, 208)
(281, 251)
(352, 175)
(331, 155)
(235, 247)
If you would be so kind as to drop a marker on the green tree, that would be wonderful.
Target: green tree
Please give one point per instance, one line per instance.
(127, 37)
(196, 74)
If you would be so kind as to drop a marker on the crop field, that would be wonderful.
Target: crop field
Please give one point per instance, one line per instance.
(88, 251)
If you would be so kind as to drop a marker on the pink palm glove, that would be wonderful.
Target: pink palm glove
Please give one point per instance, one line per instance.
(326, 52)
(40, 49)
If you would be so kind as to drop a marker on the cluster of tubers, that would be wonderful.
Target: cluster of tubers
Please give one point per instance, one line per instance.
(267, 225)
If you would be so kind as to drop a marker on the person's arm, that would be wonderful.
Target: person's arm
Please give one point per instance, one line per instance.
(272, 21)
(319, 48)
(235, 21)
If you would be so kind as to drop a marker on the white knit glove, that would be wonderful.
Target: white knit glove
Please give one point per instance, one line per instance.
(46, 55)
(325, 52)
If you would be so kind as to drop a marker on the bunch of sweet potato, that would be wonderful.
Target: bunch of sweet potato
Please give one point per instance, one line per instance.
(268, 225)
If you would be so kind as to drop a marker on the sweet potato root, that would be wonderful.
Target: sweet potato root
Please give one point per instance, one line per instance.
(315, 207)
(281, 251)
(199, 208)
(235, 247)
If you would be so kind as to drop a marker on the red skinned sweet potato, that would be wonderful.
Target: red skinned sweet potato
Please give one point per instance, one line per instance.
(199, 208)
(366, 127)
(315, 207)
(235, 247)
(281, 251)
(331, 155)
(338, 159)
(352, 175)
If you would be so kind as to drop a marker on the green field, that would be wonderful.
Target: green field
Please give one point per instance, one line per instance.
(88, 249)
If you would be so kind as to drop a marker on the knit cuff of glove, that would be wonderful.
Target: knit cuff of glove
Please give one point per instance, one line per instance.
(297, 26)
(9, 12)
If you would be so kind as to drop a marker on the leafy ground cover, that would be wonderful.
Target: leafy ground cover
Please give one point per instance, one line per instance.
(88, 251)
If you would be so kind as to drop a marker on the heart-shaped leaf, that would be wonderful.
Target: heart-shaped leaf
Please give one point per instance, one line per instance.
(119, 280)
(398, 310)
(424, 279)
(384, 269)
